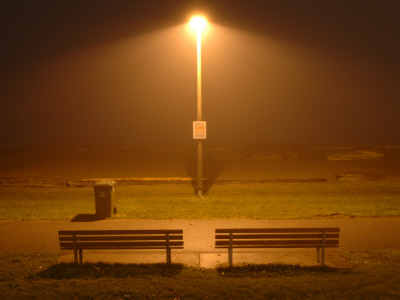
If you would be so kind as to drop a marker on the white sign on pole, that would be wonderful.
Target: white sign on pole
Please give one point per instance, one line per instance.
(199, 130)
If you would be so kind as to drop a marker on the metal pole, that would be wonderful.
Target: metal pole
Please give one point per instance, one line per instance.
(199, 118)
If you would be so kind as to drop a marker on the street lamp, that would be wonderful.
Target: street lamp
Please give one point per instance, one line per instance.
(199, 23)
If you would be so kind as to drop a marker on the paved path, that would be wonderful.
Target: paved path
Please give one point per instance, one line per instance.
(356, 234)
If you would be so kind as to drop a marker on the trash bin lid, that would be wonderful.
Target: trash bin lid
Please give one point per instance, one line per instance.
(105, 183)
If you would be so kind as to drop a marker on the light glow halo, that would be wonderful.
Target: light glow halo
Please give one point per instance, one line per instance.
(198, 23)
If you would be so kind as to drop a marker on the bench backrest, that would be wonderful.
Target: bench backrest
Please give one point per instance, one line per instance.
(121, 239)
(277, 237)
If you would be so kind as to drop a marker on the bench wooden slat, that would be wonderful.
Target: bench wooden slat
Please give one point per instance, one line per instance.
(127, 245)
(277, 246)
(283, 243)
(277, 236)
(113, 247)
(275, 230)
(119, 238)
(107, 232)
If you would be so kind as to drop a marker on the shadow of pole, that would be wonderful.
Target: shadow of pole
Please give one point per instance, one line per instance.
(212, 168)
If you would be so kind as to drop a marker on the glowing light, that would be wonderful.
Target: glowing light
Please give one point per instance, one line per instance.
(198, 23)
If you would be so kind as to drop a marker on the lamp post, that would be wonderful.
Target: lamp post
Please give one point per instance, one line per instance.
(199, 23)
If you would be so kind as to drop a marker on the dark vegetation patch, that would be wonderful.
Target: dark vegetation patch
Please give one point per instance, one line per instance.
(275, 270)
(99, 270)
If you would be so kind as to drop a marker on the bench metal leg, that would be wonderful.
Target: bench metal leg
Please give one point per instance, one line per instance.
(323, 256)
(230, 249)
(323, 247)
(80, 256)
(168, 256)
(168, 249)
(230, 255)
(75, 249)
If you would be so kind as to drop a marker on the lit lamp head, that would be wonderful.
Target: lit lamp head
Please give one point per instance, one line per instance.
(198, 23)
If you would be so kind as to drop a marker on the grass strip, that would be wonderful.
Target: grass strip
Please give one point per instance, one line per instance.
(177, 201)
(370, 275)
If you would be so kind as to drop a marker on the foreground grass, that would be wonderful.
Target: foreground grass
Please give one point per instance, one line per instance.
(370, 275)
(177, 201)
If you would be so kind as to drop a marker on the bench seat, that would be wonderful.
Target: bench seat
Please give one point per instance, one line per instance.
(79, 240)
(319, 238)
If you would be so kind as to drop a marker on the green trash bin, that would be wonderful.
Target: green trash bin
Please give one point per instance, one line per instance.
(104, 199)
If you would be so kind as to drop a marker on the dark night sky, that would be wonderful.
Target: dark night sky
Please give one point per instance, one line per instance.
(124, 72)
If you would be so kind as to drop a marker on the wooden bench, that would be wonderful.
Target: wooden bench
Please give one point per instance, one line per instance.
(78, 240)
(319, 238)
